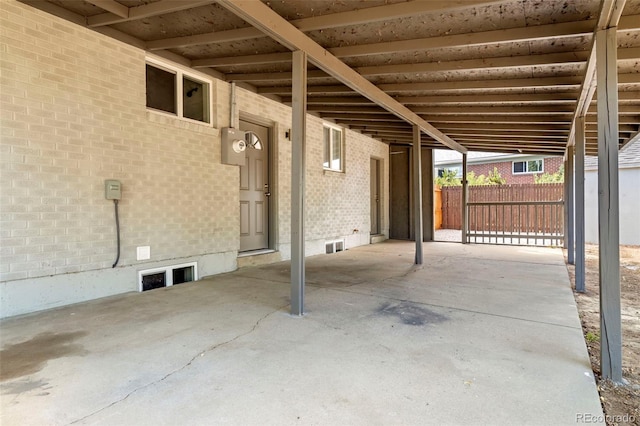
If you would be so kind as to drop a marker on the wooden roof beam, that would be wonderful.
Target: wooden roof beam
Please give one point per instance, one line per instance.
(506, 62)
(529, 119)
(63, 13)
(345, 117)
(561, 139)
(362, 124)
(111, 6)
(489, 146)
(467, 100)
(463, 110)
(622, 119)
(145, 11)
(540, 32)
(511, 35)
(485, 127)
(561, 83)
(518, 98)
(505, 135)
(609, 16)
(262, 17)
(333, 20)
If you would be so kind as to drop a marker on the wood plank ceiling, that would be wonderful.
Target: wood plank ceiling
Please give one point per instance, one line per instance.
(500, 76)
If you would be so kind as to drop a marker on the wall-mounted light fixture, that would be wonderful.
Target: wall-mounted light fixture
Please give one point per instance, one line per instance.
(234, 144)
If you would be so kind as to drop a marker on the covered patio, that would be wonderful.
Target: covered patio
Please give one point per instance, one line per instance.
(550, 77)
(474, 335)
(398, 332)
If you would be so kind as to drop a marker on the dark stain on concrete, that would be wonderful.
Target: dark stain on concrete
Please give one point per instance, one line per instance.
(31, 356)
(410, 313)
(22, 386)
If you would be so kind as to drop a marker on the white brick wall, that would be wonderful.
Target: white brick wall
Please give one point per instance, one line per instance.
(73, 114)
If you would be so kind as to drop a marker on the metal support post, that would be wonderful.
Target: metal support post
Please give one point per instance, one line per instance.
(608, 206)
(465, 201)
(417, 192)
(565, 196)
(580, 227)
(428, 219)
(298, 139)
(568, 175)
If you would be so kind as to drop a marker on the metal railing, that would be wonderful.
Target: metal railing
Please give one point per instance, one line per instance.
(516, 222)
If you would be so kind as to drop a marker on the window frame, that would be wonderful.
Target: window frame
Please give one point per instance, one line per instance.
(526, 167)
(181, 73)
(332, 127)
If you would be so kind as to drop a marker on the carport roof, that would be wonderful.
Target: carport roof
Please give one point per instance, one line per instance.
(500, 76)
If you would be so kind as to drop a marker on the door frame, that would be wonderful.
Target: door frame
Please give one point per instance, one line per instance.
(272, 165)
(379, 162)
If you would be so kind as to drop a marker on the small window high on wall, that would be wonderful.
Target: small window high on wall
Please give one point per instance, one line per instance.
(176, 92)
(531, 166)
(333, 149)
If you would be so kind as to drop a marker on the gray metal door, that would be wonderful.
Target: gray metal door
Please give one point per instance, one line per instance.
(375, 196)
(254, 192)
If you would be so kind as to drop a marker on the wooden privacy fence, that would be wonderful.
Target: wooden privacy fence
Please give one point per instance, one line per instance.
(508, 214)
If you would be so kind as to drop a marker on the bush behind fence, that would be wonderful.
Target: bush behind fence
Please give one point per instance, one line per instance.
(506, 218)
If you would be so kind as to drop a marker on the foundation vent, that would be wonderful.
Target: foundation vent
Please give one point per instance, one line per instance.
(334, 246)
(167, 276)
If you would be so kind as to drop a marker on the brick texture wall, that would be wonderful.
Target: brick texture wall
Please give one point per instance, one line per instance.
(73, 114)
(505, 168)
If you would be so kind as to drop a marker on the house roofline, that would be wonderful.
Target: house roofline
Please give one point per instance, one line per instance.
(490, 159)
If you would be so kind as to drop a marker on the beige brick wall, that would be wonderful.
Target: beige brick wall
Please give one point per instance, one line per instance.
(73, 114)
(336, 203)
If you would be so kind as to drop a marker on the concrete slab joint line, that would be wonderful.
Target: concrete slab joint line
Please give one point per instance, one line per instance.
(195, 357)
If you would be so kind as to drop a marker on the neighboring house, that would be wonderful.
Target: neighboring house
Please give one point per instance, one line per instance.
(629, 180)
(515, 169)
(629, 193)
(86, 108)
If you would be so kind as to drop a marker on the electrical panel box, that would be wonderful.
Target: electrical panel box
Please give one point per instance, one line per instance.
(233, 146)
(112, 189)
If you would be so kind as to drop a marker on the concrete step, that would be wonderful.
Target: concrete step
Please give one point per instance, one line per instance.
(258, 258)
(378, 238)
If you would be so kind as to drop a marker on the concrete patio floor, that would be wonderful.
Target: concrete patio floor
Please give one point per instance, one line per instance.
(476, 335)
